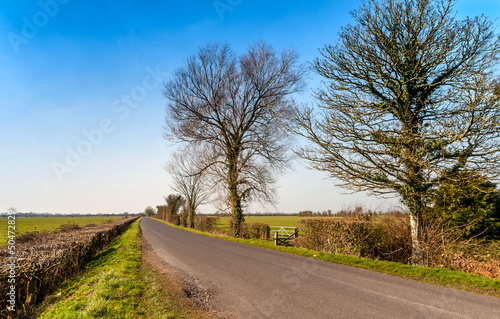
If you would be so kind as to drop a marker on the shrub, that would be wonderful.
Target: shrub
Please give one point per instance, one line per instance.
(471, 203)
(184, 216)
(384, 238)
(251, 230)
(161, 212)
(206, 223)
(30, 237)
(174, 219)
(68, 227)
(255, 230)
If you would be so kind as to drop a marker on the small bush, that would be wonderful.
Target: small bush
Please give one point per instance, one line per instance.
(174, 219)
(184, 216)
(206, 223)
(68, 227)
(255, 230)
(30, 237)
(473, 205)
(251, 230)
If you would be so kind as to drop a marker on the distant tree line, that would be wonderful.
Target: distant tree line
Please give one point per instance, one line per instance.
(33, 214)
(226, 214)
(310, 213)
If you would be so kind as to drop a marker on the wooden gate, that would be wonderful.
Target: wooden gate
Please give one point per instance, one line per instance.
(283, 235)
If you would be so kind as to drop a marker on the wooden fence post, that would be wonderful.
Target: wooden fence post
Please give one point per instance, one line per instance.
(276, 239)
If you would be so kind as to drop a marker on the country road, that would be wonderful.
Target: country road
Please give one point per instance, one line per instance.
(260, 283)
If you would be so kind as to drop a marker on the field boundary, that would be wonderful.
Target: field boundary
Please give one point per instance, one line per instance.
(46, 261)
(49, 224)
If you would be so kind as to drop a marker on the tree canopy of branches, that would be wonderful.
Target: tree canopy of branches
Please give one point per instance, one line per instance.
(188, 182)
(409, 100)
(231, 109)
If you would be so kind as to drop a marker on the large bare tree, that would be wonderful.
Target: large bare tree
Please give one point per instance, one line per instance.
(409, 100)
(232, 108)
(188, 181)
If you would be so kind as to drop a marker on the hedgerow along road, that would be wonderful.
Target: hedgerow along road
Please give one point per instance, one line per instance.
(254, 282)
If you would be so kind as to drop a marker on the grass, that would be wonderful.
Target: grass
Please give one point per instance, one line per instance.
(117, 285)
(438, 276)
(48, 224)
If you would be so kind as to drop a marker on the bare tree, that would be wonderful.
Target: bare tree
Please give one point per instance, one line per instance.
(188, 181)
(409, 101)
(149, 211)
(232, 109)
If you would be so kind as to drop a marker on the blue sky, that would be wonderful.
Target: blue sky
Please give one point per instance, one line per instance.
(85, 78)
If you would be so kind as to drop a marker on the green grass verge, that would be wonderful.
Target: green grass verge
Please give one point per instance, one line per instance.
(438, 276)
(48, 224)
(116, 286)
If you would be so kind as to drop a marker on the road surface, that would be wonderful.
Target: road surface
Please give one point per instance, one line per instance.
(260, 283)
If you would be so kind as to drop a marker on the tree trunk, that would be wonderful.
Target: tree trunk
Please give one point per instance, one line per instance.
(192, 215)
(232, 183)
(414, 190)
(416, 235)
(238, 218)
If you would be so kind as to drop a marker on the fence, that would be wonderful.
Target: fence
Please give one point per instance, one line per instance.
(283, 235)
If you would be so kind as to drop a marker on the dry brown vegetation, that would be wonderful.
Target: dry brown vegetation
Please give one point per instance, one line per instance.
(387, 236)
(44, 260)
(384, 238)
(202, 223)
(251, 230)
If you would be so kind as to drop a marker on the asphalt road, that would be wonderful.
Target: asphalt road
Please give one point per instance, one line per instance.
(260, 283)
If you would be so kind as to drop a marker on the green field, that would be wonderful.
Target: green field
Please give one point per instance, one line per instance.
(48, 224)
